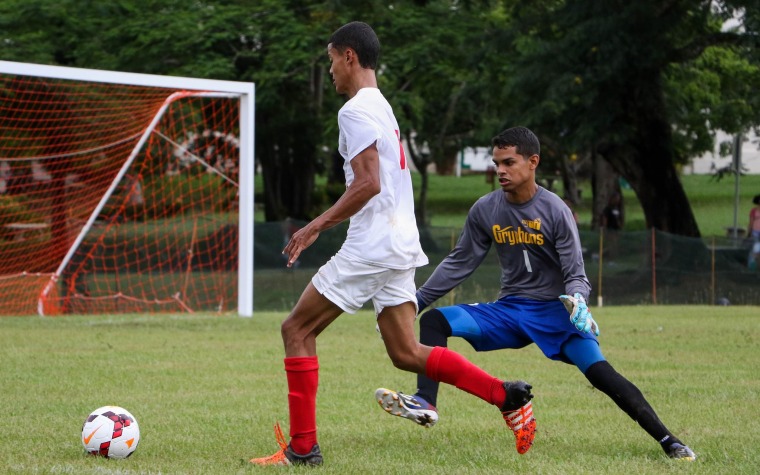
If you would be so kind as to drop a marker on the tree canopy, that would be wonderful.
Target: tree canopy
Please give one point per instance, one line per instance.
(642, 86)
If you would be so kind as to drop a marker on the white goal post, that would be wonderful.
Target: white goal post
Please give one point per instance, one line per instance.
(176, 88)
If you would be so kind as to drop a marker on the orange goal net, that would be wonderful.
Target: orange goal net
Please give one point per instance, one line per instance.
(123, 192)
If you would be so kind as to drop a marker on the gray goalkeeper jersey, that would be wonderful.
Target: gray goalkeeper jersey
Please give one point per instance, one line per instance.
(536, 242)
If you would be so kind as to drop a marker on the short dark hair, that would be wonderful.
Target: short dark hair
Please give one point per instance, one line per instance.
(756, 200)
(361, 38)
(525, 142)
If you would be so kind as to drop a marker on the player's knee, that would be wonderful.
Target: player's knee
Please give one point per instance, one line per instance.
(292, 332)
(434, 321)
(400, 359)
(434, 328)
(405, 360)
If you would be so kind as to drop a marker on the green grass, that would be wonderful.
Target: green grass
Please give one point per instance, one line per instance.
(206, 390)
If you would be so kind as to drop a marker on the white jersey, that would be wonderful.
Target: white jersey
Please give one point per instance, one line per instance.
(384, 232)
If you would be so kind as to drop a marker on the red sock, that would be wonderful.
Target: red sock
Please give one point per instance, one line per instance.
(303, 378)
(450, 367)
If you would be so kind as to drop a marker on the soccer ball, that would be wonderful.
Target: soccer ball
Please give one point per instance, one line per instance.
(110, 432)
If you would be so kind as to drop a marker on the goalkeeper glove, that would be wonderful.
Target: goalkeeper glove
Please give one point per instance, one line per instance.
(579, 314)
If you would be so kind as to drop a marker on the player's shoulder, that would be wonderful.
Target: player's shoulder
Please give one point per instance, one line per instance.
(489, 199)
(367, 103)
(549, 198)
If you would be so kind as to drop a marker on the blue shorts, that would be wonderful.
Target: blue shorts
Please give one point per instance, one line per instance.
(515, 322)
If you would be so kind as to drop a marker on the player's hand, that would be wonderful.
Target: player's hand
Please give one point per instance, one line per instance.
(579, 315)
(299, 241)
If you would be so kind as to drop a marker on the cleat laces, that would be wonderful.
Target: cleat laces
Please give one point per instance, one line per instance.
(278, 458)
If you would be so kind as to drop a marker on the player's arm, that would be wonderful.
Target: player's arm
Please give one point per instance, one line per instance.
(468, 253)
(577, 287)
(568, 245)
(366, 184)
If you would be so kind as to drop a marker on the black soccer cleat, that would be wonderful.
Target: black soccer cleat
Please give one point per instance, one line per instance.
(518, 395)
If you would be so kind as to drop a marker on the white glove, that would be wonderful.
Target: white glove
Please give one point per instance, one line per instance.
(579, 314)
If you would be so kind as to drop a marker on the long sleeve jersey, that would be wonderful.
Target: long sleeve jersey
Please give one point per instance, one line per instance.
(536, 242)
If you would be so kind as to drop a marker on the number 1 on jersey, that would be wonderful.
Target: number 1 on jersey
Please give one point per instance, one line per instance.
(527, 261)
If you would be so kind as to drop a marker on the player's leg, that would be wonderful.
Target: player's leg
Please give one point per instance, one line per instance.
(310, 316)
(450, 367)
(337, 287)
(587, 356)
(438, 363)
(404, 405)
(464, 321)
(435, 330)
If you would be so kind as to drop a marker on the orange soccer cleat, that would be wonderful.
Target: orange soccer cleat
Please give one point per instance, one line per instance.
(286, 456)
(518, 414)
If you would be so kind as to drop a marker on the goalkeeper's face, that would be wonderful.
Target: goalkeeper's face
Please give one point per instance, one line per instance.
(516, 173)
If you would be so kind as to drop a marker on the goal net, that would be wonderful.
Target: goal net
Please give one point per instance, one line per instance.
(124, 192)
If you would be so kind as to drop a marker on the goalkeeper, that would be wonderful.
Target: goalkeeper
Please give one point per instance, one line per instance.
(543, 291)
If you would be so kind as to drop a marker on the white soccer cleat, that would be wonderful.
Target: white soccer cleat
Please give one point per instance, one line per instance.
(410, 407)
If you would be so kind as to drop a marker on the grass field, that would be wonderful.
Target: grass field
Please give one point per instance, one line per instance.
(207, 389)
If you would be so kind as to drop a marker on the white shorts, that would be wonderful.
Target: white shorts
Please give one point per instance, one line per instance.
(349, 284)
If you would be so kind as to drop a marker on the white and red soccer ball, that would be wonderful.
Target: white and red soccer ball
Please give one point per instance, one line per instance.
(111, 432)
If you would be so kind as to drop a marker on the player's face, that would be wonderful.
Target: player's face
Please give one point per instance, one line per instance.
(516, 173)
(338, 69)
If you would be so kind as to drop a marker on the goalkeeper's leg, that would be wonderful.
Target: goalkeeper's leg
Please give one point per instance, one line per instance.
(587, 356)
(434, 331)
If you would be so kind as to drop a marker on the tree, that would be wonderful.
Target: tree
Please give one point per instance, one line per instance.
(276, 45)
(432, 75)
(612, 77)
(642, 85)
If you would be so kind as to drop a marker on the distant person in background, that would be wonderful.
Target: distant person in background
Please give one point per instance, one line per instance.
(612, 222)
(612, 215)
(753, 231)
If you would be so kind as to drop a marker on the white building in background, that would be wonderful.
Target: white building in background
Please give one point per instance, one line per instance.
(478, 159)
(708, 163)
(474, 159)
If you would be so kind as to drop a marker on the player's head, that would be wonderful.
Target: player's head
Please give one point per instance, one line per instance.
(516, 156)
(525, 142)
(361, 38)
(756, 200)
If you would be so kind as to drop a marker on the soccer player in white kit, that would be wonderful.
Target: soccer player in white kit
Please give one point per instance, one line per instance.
(376, 262)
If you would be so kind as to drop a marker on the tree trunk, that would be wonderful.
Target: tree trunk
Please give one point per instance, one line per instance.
(287, 143)
(421, 162)
(645, 157)
(605, 182)
(270, 170)
(648, 168)
(570, 181)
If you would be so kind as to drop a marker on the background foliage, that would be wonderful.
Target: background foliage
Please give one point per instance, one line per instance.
(613, 88)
